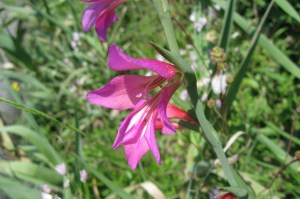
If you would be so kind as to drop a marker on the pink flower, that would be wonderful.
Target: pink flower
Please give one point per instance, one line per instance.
(100, 13)
(149, 112)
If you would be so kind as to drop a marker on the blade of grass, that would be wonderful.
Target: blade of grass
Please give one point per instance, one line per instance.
(110, 184)
(16, 190)
(288, 8)
(234, 87)
(42, 114)
(38, 140)
(227, 25)
(274, 52)
(30, 172)
(280, 155)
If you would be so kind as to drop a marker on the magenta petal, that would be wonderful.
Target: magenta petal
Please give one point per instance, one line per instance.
(104, 22)
(134, 152)
(167, 93)
(91, 13)
(122, 92)
(118, 60)
(151, 138)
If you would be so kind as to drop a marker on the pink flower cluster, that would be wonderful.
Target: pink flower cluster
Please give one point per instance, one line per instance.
(146, 96)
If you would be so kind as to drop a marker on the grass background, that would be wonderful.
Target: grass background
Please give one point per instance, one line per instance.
(37, 52)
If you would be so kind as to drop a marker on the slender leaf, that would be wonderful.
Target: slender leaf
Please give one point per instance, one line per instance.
(110, 184)
(275, 53)
(227, 25)
(30, 172)
(233, 89)
(17, 190)
(288, 8)
(38, 140)
(39, 113)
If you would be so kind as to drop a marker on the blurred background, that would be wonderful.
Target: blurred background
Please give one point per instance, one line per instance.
(48, 64)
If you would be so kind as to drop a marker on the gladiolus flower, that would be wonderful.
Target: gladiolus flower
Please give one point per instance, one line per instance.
(149, 112)
(101, 14)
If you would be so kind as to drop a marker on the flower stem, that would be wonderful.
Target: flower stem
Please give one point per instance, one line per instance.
(163, 10)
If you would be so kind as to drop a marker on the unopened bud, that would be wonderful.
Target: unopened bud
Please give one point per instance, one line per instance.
(211, 103)
(297, 155)
(217, 55)
(229, 80)
(221, 65)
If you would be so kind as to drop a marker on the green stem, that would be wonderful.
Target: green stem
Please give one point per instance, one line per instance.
(163, 10)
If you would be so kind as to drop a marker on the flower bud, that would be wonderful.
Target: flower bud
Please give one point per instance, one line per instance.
(211, 103)
(217, 55)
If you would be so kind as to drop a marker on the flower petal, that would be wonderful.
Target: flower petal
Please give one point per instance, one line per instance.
(104, 22)
(177, 113)
(166, 94)
(122, 92)
(118, 60)
(91, 13)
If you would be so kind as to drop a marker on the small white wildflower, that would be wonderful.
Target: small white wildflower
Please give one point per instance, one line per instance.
(200, 23)
(61, 169)
(193, 17)
(83, 176)
(66, 183)
(193, 56)
(204, 81)
(218, 103)
(217, 7)
(46, 196)
(46, 188)
(219, 84)
(184, 95)
(182, 52)
(76, 36)
(204, 97)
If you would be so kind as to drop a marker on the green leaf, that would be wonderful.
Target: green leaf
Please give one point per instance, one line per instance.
(38, 140)
(280, 155)
(288, 8)
(110, 184)
(236, 191)
(227, 25)
(42, 114)
(274, 52)
(30, 172)
(237, 80)
(17, 190)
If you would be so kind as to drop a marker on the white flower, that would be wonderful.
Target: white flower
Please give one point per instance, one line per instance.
(218, 103)
(46, 196)
(219, 84)
(217, 7)
(184, 95)
(204, 97)
(46, 188)
(200, 23)
(83, 175)
(66, 183)
(193, 56)
(76, 36)
(61, 169)
(193, 17)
